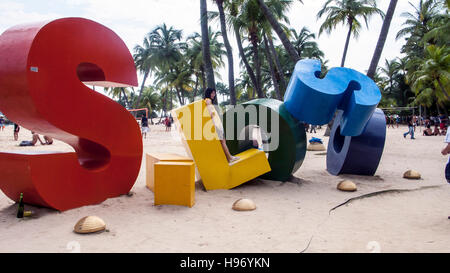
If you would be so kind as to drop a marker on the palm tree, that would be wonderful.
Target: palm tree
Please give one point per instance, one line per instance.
(162, 47)
(279, 30)
(434, 72)
(305, 45)
(151, 99)
(142, 60)
(205, 45)
(382, 39)
(229, 51)
(271, 68)
(236, 23)
(250, 19)
(418, 23)
(194, 54)
(347, 12)
(167, 46)
(390, 69)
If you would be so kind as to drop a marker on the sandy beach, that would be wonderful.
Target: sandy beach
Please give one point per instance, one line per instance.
(290, 217)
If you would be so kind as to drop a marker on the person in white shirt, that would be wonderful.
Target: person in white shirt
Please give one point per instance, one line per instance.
(446, 151)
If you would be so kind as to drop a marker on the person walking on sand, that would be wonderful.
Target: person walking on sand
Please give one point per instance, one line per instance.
(446, 151)
(16, 131)
(166, 123)
(2, 124)
(410, 122)
(144, 125)
(210, 99)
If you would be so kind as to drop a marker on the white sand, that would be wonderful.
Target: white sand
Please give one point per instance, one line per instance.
(288, 215)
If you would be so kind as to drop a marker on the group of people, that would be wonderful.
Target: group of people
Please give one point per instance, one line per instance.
(34, 138)
(145, 128)
(311, 128)
(440, 126)
(168, 123)
(392, 120)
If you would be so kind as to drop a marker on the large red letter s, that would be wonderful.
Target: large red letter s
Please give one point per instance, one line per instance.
(42, 70)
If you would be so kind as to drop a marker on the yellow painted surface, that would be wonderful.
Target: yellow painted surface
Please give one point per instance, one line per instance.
(174, 183)
(197, 128)
(151, 159)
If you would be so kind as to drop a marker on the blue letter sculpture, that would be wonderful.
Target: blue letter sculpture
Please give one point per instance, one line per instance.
(357, 155)
(313, 100)
(359, 131)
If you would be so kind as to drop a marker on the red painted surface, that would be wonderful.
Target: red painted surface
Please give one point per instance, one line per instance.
(42, 69)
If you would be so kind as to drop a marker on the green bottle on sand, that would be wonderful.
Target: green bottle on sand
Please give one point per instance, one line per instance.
(21, 207)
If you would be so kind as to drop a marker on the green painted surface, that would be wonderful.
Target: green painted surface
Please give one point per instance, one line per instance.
(289, 155)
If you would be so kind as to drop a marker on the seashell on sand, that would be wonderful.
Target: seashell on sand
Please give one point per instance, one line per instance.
(244, 205)
(346, 185)
(89, 224)
(411, 174)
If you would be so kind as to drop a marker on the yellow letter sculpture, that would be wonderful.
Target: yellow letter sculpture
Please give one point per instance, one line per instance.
(205, 148)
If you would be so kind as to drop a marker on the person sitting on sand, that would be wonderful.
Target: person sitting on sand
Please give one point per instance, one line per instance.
(35, 139)
(48, 140)
(210, 99)
(436, 130)
(428, 131)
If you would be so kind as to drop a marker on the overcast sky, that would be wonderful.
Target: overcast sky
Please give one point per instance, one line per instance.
(132, 19)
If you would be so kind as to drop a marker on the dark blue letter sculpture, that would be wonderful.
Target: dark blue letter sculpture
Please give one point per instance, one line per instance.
(357, 155)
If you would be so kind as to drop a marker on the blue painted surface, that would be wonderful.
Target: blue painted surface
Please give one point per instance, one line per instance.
(357, 155)
(313, 100)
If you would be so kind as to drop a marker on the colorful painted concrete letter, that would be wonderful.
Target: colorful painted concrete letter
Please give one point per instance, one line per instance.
(289, 133)
(202, 142)
(43, 68)
(357, 155)
(313, 100)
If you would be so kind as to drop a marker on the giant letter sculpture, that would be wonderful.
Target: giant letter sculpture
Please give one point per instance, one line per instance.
(43, 67)
(288, 156)
(202, 143)
(357, 155)
(313, 100)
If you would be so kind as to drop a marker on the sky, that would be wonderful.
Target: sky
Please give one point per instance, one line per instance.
(133, 19)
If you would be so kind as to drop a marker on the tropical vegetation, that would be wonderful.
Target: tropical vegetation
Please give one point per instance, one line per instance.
(175, 67)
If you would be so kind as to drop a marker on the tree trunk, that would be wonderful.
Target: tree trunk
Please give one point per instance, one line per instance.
(126, 97)
(277, 28)
(250, 72)
(171, 99)
(272, 71)
(179, 96)
(229, 52)
(194, 92)
(443, 89)
(257, 63)
(165, 102)
(381, 39)
(205, 45)
(280, 70)
(203, 78)
(350, 22)
(138, 100)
